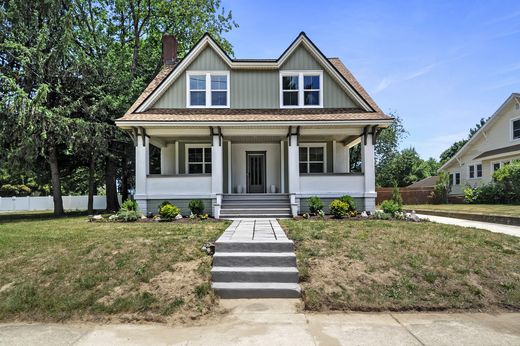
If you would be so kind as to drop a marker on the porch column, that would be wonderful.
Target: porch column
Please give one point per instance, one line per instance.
(217, 172)
(293, 167)
(141, 171)
(168, 159)
(340, 157)
(369, 171)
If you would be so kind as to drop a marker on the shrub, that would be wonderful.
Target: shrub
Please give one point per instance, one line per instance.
(9, 190)
(381, 215)
(351, 203)
(396, 195)
(339, 208)
(127, 215)
(163, 203)
(508, 182)
(129, 205)
(196, 206)
(24, 190)
(390, 207)
(169, 212)
(441, 189)
(315, 204)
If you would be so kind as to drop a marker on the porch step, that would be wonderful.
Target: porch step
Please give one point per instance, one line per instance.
(255, 205)
(254, 259)
(254, 246)
(255, 274)
(256, 289)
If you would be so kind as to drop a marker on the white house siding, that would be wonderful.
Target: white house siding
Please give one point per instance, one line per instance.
(497, 135)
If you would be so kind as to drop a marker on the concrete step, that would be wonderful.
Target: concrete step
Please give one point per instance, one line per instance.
(232, 290)
(249, 204)
(254, 259)
(256, 210)
(255, 274)
(256, 216)
(255, 246)
(255, 197)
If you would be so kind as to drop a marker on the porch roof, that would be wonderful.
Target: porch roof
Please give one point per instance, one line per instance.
(253, 115)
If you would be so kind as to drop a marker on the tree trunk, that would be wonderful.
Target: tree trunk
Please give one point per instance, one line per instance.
(91, 185)
(111, 187)
(56, 184)
(124, 177)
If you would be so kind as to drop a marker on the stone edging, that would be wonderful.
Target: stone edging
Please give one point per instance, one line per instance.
(505, 220)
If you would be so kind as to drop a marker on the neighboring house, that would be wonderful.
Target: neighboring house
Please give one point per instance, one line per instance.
(495, 144)
(253, 136)
(428, 182)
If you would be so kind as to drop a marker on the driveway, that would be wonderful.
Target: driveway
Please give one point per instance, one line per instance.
(493, 227)
(279, 322)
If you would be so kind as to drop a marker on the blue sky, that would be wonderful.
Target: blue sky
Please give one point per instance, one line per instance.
(441, 65)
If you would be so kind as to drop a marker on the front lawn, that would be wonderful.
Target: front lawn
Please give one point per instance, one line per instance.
(57, 269)
(376, 265)
(485, 209)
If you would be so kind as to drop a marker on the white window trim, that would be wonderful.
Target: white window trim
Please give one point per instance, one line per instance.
(300, 75)
(208, 88)
(511, 130)
(454, 178)
(187, 160)
(474, 164)
(314, 145)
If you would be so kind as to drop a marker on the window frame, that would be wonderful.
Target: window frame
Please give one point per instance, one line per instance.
(187, 158)
(301, 91)
(313, 145)
(453, 179)
(475, 165)
(208, 89)
(512, 129)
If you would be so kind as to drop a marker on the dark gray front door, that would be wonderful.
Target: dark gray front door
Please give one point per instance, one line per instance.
(255, 171)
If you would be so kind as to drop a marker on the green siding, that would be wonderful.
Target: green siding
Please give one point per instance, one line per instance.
(254, 88)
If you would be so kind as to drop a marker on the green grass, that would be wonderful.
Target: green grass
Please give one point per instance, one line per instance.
(486, 209)
(60, 269)
(390, 265)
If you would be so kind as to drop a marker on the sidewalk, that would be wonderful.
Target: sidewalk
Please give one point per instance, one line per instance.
(492, 227)
(278, 322)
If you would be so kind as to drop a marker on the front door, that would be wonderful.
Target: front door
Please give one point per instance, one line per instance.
(255, 171)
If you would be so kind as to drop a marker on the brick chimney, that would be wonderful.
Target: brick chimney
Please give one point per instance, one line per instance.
(169, 49)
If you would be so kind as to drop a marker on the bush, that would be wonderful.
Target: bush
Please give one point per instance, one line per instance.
(339, 208)
(441, 189)
(9, 190)
(390, 207)
(315, 205)
(351, 203)
(127, 215)
(381, 215)
(163, 203)
(129, 205)
(396, 195)
(196, 206)
(169, 212)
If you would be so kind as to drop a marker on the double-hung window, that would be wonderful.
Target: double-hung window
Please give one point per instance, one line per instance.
(198, 159)
(454, 179)
(515, 124)
(312, 158)
(475, 171)
(207, 89)
(301, 89)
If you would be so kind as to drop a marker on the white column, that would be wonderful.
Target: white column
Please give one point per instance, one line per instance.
(340, 157)
(141, 172)
(168, 159)
(347, 155)
(368, 166)
(282, 167)
(230, 187)
(177, 157)
(293, 166)
(217, 170)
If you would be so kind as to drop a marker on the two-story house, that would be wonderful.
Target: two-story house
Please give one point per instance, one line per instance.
(253, 136)
(495, 144)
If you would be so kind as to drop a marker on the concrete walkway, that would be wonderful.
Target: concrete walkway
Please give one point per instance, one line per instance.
(278, 322)
(492, 227)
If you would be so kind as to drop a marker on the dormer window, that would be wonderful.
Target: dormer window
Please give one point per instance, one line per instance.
(301, 89)
(207, 89)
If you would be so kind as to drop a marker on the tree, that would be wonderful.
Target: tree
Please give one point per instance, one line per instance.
(405, 168)
(447, 154)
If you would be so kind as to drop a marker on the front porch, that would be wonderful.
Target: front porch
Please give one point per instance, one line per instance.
(184, 163)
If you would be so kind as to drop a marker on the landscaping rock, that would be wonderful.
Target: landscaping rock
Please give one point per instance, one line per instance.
(414, 217)
(364, 214)
(178, 217)
(112, 217)
(97, 217)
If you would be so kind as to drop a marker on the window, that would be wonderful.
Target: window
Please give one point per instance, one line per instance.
(198, 159)
(312, 158)
(454, 179)
(496, 166)
(516, 129)
(475, 171)
(301, 89)
(208, 89)
(451, 179)
(457, 178)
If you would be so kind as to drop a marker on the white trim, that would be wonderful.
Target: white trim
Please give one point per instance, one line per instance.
(230, 189)
(282, 167)
(488, 123)
(474, 164)
(177, 162)
(511, 129)
(157, 93)
(186, 158)
(301, 90)
(208, 89)
(313, 145)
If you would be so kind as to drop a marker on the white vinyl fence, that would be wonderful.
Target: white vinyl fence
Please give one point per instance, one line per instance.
(46, 203)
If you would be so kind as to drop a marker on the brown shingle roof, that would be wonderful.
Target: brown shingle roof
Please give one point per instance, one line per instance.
(338, 64)
(499, 151)
(277, 114)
